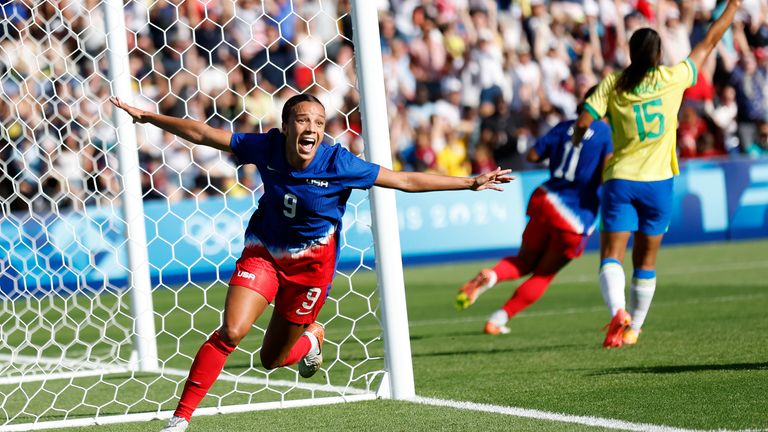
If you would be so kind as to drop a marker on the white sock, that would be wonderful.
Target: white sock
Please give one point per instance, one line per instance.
(612, 282)
(640, 296)
(492, 279)
(314, 343)
(499, 318)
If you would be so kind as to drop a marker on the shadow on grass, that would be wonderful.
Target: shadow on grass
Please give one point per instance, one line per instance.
(683, 368)
(530, 349)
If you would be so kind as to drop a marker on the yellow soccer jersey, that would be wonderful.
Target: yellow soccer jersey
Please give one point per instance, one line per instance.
(644, 122)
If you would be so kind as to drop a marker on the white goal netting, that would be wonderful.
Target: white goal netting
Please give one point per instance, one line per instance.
(68, 319)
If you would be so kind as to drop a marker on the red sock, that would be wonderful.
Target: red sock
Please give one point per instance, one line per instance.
(207, 366)
(299, 350)
(510, 268)
(527, 293)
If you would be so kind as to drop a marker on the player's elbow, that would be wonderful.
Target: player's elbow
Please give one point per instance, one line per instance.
(533, 156)
(402, 181)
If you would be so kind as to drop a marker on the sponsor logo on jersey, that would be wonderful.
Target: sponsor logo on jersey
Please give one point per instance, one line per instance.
(246, 275)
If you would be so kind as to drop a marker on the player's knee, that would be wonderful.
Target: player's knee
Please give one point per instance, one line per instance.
(232, 334)
(269, 361)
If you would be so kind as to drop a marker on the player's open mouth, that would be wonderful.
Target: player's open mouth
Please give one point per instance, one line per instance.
(306, 144)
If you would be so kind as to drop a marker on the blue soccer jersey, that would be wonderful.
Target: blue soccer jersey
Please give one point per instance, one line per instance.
(299, 208)
(575, 173)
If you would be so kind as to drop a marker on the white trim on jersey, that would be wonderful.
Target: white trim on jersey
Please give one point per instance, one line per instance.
(251, 240)
(576, 224)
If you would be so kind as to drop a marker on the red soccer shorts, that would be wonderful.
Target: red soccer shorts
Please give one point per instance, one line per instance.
(297, 302)
(540, 234)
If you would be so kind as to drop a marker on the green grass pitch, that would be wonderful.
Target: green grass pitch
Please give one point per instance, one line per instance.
(701, 363)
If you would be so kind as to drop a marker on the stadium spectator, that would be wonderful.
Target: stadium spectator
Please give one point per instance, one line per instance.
(724, 116)
(693, 136)
(750, 81)
(540, 55)
(562, 213)
(760, 146)
(291, 240)
(643, 102)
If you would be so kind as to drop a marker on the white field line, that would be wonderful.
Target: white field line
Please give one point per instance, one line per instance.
(550, 416)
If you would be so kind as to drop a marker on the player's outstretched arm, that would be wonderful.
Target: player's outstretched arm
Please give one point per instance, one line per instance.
(422, 182)
(714, 34)
(193, 131)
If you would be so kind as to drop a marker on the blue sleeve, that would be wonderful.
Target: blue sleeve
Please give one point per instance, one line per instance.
(248, 147)
(605, 135)
(354, 172)
(546, 143)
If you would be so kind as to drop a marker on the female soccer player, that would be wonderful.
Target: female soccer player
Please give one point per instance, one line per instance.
(291, 242)
(642, 102)
(562, 215)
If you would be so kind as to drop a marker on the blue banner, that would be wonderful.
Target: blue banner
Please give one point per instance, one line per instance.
(200, 240)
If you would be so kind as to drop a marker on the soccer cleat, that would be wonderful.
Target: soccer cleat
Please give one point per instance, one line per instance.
(471, 290)
(629, 337)
(495, 329)
(497, 323)
(176, 424)
(310, 363)
(619, 322)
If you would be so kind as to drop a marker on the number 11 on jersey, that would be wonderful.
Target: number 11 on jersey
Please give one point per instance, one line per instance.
(567, 168)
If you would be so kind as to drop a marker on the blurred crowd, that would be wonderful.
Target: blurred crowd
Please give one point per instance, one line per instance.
(471, 84)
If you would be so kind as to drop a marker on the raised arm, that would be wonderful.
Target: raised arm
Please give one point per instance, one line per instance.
(193, 131)
(714, 34)
(422, 182)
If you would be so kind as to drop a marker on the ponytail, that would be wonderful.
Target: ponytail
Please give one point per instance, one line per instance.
(644, 54)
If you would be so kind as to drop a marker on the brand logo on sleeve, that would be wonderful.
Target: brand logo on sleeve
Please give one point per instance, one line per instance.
(246, 275)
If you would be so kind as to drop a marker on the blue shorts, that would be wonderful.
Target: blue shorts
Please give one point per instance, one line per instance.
(636, 206)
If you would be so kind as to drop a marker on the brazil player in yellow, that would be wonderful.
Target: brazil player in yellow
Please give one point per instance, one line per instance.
(641, 103)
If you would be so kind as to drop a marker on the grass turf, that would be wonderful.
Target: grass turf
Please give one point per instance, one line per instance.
(701, 362)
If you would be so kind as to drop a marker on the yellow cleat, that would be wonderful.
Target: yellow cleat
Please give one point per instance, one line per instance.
(471, 290)
(630, 336)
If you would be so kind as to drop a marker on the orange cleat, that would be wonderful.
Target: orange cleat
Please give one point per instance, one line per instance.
(614, 335)
(629, 337)
(495, 329)
(471, 290)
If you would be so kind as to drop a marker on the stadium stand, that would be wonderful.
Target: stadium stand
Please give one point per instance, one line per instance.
(471, 84)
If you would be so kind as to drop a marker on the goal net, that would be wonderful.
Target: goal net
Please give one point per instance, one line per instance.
(117, 240)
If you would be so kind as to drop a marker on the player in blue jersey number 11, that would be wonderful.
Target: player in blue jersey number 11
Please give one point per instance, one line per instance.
(642, 102)
(562, 216)
(292, 239)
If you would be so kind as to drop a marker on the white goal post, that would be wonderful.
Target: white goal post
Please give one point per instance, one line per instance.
(117, 241)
